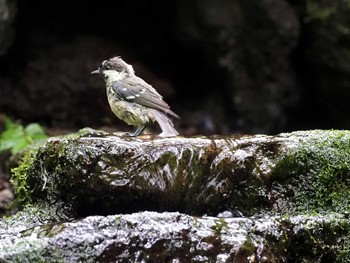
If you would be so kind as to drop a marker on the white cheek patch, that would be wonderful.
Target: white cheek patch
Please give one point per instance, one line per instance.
(113, 75)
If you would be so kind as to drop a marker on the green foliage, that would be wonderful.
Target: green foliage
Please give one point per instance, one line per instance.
(16, 137)
(318, 11)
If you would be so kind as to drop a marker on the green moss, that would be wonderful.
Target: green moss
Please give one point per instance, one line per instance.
(305, 238)
(317, 172)
(220, 226)
(19, 177)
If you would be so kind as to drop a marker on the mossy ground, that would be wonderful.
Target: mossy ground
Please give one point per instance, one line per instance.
(316, 172)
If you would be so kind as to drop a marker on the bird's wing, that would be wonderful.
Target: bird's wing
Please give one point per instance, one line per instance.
(140, 92)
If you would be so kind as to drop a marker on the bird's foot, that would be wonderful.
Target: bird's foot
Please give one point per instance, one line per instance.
(138, 131)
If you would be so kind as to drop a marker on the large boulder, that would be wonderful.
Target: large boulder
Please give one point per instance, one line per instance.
(256, 198)
(175, 237)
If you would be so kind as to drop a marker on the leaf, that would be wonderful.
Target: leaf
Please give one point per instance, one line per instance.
(10, 136)
(35, 132)
(19, 145)
(9, 124)
(16, 137)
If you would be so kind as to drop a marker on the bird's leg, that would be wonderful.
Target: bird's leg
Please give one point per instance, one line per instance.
(138, 131)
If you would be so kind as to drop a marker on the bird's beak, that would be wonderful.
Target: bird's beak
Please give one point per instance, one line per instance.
(97, 71)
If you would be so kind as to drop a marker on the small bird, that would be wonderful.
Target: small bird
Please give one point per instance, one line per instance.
(133, 100)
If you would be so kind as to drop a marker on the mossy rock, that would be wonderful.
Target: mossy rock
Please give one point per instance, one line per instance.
(284, 198)
(299, 172)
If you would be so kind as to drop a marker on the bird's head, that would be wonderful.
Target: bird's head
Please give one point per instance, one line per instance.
(115, 68)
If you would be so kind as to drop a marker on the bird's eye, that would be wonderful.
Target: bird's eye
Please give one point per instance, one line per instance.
(105, 65)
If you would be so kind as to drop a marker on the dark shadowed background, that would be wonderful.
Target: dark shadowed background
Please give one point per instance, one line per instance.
(225, 66)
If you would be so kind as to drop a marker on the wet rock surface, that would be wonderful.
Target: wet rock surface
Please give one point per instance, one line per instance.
(280, 198)
(169, 237)
(120, 174)
(175, 237)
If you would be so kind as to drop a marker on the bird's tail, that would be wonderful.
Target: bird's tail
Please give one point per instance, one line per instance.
(165, 124)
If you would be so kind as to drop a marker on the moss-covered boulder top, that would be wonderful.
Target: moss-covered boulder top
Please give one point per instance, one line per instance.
(247, 175)
(275, 182)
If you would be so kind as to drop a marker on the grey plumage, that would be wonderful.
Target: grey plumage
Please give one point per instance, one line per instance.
(165, 123)
(138, 91)
(133, 100)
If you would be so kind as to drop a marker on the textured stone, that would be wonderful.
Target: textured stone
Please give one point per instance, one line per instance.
(174, 237)
(279, 198)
